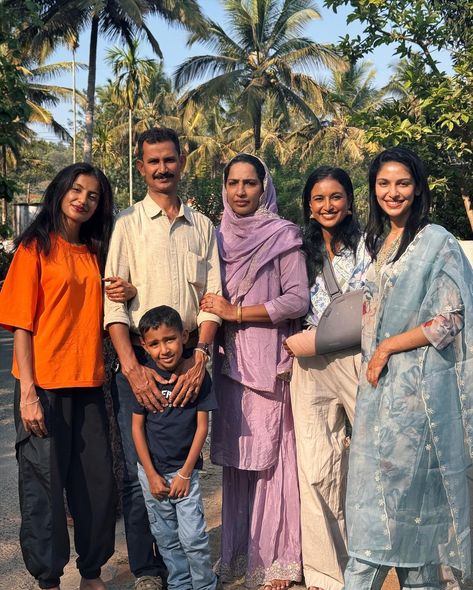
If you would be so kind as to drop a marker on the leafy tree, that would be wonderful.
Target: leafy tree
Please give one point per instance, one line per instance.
(39, 161)
(63, 20)
(432, 110)
(258, 60)
(133, 77)
(14, 108)
(351, 97)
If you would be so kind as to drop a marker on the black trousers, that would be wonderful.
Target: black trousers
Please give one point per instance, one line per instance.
(143, 554)
(75, 457)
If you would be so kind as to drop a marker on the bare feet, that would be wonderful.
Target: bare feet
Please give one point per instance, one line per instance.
(280, 584)
(95, 584)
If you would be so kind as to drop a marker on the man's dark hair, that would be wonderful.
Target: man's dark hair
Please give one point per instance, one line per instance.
(157, 316)
(157, 135)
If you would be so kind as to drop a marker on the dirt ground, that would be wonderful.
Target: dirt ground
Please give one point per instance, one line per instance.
(211, 491)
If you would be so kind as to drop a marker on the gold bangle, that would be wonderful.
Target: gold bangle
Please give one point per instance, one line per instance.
(23, 404)
(239, 314)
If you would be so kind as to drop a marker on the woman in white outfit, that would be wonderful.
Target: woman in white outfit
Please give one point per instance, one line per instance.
(323, 387)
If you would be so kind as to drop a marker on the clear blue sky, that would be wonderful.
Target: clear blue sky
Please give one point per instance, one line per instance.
(172, 41)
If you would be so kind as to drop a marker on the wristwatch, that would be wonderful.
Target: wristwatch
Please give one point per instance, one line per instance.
(203, 347)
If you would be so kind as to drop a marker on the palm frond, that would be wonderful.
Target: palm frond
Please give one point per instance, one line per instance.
(200, 66)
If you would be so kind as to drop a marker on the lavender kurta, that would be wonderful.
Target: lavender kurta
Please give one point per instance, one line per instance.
(246, 428)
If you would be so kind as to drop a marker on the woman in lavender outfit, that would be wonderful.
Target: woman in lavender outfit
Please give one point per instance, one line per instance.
(265, 286)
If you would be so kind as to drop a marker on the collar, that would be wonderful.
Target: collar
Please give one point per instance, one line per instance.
(152, 209)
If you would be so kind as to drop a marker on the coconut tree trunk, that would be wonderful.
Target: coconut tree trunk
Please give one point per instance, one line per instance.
(257, 128)
(130, 154)
(74, 106)
(89, 113)
(468, 208)
(4, 172)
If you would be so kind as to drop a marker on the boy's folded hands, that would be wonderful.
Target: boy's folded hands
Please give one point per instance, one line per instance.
(158, 486)
(179, 488)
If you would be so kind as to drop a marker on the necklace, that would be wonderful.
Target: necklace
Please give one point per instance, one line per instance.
(385, 253)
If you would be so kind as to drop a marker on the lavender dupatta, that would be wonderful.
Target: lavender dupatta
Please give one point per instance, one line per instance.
(247, 245)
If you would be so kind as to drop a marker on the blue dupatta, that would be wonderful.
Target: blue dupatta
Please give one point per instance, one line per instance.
(407, 500)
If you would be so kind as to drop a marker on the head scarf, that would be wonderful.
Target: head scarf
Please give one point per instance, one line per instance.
(246, 245)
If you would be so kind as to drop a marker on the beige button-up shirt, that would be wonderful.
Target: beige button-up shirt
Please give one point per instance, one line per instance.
(171, 264)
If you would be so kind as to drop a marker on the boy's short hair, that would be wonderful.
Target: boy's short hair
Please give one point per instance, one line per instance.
(157, 316)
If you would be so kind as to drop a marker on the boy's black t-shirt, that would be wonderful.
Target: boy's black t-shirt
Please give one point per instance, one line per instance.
(170, 433)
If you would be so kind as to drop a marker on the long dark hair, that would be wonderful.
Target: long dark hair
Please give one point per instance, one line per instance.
(419, 213)
(347, 233)
(94, 233)
(246, 159)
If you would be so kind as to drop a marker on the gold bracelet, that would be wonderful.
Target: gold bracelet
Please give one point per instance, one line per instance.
(239, 314)
(182, 476)
(23, 404)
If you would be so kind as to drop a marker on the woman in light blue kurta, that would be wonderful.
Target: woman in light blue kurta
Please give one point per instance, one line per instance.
(407, 500)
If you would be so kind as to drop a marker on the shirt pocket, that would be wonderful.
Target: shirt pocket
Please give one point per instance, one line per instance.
(196, 270)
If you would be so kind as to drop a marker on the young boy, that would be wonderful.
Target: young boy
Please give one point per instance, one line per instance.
(169, 446)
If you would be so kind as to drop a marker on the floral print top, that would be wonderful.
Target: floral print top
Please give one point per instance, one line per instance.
(350, 273)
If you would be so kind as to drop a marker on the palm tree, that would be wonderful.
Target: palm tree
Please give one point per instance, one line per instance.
(62, 20)
(351, 95)
(133, 76)
(258, 58)
(40, 95)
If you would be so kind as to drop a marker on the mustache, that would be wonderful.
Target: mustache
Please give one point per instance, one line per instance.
(158, 176)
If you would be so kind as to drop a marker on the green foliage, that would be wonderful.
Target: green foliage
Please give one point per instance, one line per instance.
(204, 194)
(5, 258)
(257, 61)
(39, 161)
(14, 109)
(431, 111)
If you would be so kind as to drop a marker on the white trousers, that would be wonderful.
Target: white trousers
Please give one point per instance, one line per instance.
(323, 392)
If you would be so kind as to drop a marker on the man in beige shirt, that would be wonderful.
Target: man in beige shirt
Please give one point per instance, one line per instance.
(168, 251)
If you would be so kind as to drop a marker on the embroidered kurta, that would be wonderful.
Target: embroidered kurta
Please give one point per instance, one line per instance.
(407, 500)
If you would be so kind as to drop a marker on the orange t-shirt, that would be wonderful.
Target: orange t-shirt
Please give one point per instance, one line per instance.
(58, 298)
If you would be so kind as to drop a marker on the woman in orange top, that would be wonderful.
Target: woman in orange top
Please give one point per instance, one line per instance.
(52, 301)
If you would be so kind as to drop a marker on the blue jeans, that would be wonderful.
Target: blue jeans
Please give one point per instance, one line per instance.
(143, 558)
(178, 525)
(363, 575)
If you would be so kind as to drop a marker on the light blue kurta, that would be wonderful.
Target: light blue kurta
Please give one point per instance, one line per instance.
(407, 500)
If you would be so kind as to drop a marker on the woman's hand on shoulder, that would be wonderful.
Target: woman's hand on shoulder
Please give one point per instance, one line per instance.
(119, 290)
(218, 305)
